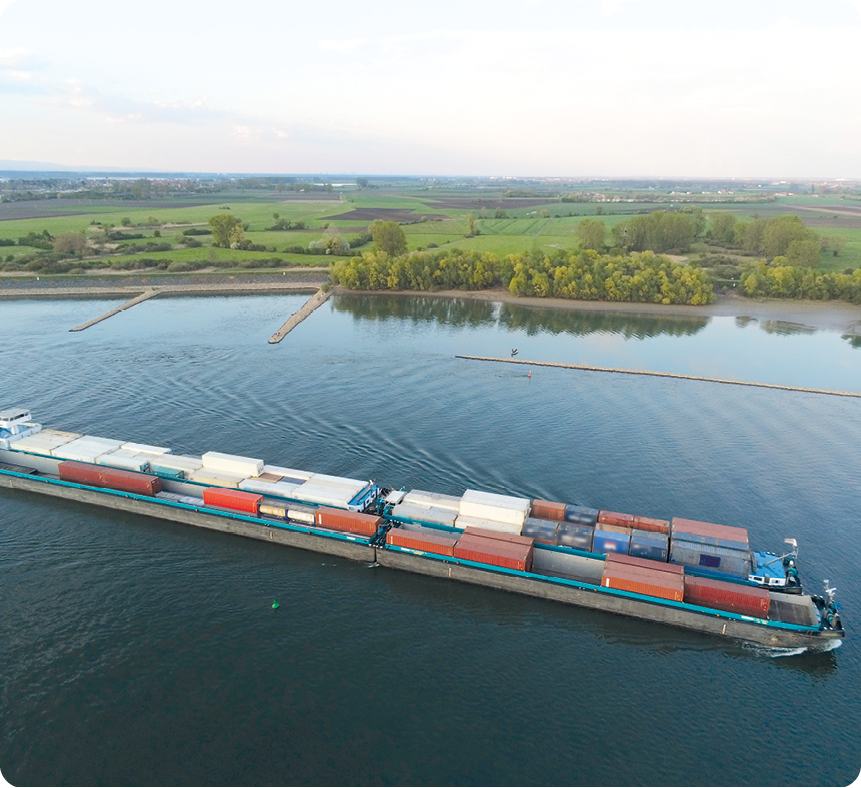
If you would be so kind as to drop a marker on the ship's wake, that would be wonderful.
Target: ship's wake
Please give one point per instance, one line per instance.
(772, 652)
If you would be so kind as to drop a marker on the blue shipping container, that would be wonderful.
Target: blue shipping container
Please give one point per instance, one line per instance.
(646, 547)
(541, 530)
(709, 540)
(581, 515)
(167, 473)
(610, 542)
(722, 559)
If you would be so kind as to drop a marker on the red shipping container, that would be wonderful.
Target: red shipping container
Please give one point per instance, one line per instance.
(548, 510)
(727, 596)
(651, 524)
(238, 500)
(495, 553)
(728, 532)
(112, 478)
(80, 473)
(427, 543)
(500, 536)
(616, 518)
(343, 520)
(645, 563)
(642, 581)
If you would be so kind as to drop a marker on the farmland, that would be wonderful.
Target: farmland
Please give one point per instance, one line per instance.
(170, 233)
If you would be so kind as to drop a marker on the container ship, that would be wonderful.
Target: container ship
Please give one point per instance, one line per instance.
(683, 573)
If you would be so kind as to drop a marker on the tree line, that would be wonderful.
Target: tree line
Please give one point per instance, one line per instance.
(586, 275)
(791, 281)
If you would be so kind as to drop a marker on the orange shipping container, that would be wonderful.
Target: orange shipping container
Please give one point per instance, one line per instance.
(616, 518)
(427, 543)
(727, 596)
(645, 563)
(494, 552)
(238, 500)
(651, 524)
(342, 520)
(499, 536)
(548, 510)
(642, 581)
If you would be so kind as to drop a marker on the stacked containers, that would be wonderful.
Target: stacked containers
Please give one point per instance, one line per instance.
(232, 464)
(644, 577)
(270, 508)
(43, 442)
(354, 522)
(431, 514)
(422, 541)
(577, 536)
(649, 544)
(237, 500)
(216, 478)
(543, 531)
(175, 466)
(720, 548)
(93, 475)
(652, 524)
(87, 448)
(502, 512)
(548, 510)
(616, 518)
(719, 594)
(301, 514)
(610, 542)
(494, 552)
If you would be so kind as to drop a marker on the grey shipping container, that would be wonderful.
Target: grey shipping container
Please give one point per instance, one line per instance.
(709, 540)
(647, 546)
(581, 515)
(571, 535)
(541, 530)
(578, 567)
(721, 559)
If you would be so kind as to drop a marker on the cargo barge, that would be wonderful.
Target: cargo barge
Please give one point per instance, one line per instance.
(684, 573)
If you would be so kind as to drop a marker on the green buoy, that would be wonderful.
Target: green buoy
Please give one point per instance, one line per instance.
(275, 604)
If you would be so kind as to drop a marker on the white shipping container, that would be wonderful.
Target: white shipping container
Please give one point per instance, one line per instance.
(85, 446)
(43, 442)
(485, 512)
(126, 460)
(232, 463)
(102, 441)
(215, 478)
(433, 514)
(437, 500)
(465, 521)
(497, 501)
(282, 489)
(143, 448)
(332, 496)
(290, 473)
(337, 481)
(178, 462)
(302, 514)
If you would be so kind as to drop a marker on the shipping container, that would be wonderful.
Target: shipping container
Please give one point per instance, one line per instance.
(494, 552)
(616, 518)
(432, 514)
(213, 478)
(556, 563)
(543, 531)
(143, 448)
(719, 594)
(464, 521)
(577, 536)
(112, 478)
(645, 563)
(191, 500)
(325, 495)
(298, 513)
(167, 473)
(281, 489)
(662, 585)
(728, 533)
(232, 464)
(238, 500)
(427, 543)
(581, 515)
(609, 542)
(424, 498)
(176, 462)
(127, 460)
(652, 524)
(487, 533)
(354, 522)
(548, 510)
(720, 559)
(43, 442)
(337, 481)
(492, 506)
(614, 529)
(652, 545)
(288, 473)
(170, 496)
(709, 540)
(271, 508)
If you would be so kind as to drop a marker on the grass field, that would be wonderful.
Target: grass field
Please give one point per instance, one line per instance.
(428, 216)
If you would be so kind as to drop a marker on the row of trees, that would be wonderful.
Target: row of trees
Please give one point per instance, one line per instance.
(785, 237)
(790, 281)
(584, 275)
(658, 231)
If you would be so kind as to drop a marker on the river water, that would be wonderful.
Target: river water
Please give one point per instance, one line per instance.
(136, 652)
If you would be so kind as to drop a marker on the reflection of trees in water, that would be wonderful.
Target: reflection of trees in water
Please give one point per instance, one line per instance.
(562, 321)
(853, 339)
(532, 320)
(785, 327)
(418, 309)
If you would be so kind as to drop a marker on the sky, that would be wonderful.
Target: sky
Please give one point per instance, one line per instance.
(544, 88)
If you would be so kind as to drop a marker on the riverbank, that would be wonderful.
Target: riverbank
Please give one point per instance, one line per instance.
(838, 316)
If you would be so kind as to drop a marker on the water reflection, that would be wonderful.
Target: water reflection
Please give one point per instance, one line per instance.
(532, 320)
(784, 327)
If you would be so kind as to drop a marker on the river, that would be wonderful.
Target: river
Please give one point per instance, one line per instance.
(139, 652)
